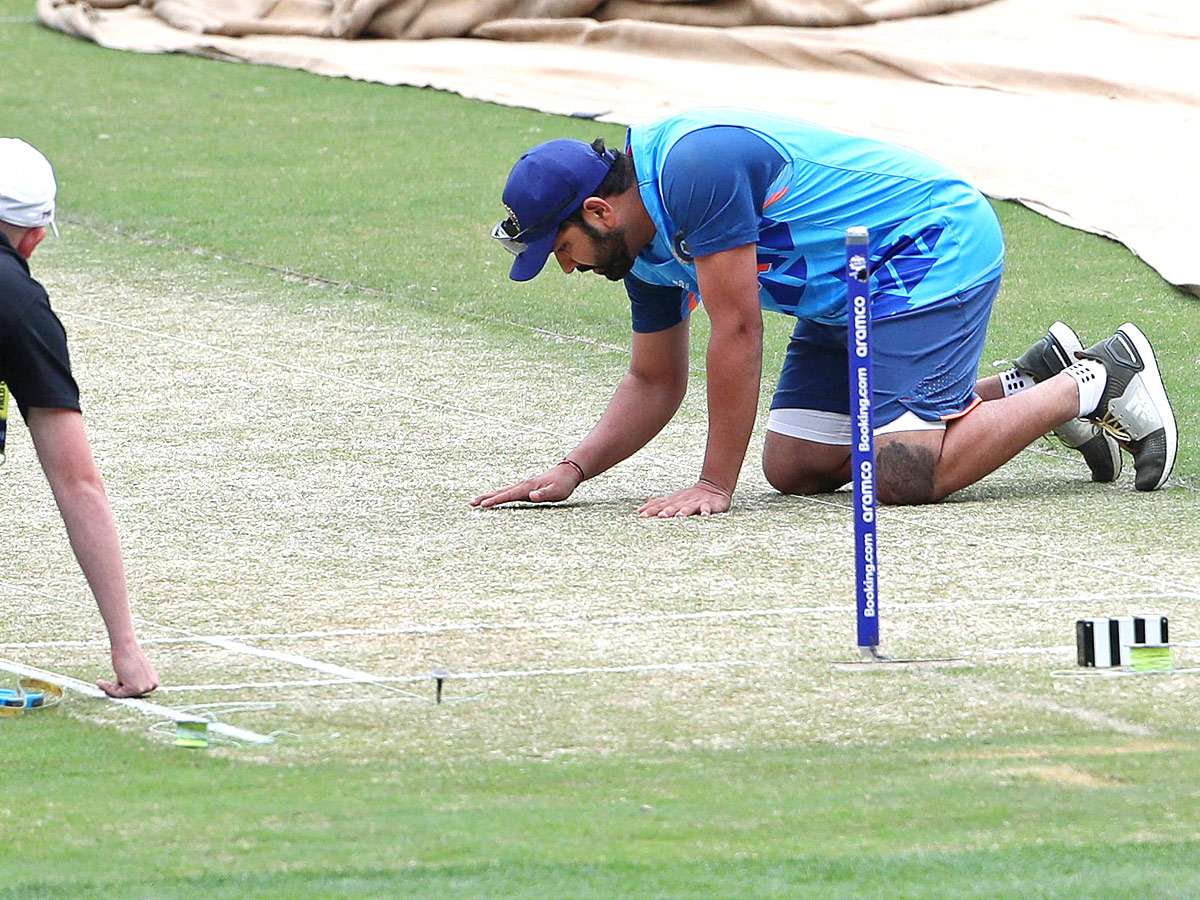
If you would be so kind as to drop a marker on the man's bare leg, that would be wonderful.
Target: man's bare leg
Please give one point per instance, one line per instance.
(990, 388)
(1044, 359)
(925, 466)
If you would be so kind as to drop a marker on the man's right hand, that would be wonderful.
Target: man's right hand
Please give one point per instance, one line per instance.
(556, 483)
(135, 673)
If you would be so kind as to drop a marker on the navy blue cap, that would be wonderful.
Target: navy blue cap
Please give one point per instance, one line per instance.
(546, 185)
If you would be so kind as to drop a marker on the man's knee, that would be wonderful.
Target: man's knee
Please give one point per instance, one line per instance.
(904, 474)
(790, 480)
(801, 467)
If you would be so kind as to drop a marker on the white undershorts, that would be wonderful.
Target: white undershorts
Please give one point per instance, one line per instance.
(822, 427)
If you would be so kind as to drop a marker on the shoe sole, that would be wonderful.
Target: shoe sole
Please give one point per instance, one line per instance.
(1153, 383)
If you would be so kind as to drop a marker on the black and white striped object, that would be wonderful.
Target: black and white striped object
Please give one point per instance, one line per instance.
(1104, 643)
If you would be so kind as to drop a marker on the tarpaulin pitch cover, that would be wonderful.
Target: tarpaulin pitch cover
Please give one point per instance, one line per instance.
(1085, 110)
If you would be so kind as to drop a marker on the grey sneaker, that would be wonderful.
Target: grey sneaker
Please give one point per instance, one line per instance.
(1044, 360)
(1134, 408)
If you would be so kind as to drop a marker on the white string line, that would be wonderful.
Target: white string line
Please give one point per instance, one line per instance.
(145, 707)
(594, 670)
(1023, 651)
(1019, 651)
(298, 660)
(609, 622)
(306, 662)
(1191, 591)
(479, 676)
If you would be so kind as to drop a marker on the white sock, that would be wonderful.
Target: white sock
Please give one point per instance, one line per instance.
(1091, 378)
(1014, 382)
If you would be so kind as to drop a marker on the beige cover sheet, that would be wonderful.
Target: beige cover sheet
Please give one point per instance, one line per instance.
(1085, 110)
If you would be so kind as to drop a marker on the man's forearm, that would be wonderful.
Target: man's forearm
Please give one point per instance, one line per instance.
(637, 412)
(66, 458)
(734, 375)
(93, 535)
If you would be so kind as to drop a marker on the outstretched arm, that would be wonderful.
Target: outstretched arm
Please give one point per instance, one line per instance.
(66, 458)
(729, 285)
(645, 400)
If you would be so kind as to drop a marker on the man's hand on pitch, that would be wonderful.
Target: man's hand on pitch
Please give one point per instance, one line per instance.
(702, 499)
(556, 483)
(135, 674)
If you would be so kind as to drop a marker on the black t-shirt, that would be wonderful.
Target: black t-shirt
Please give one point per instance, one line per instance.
(33, 343)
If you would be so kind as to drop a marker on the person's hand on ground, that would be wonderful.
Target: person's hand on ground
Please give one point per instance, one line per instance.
(556, 483)
(702, 499)
(135, 673)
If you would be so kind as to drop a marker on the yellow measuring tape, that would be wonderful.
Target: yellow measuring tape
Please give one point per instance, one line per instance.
(30, 693)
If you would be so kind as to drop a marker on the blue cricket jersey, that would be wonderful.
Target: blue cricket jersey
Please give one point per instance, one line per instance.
(714, 179)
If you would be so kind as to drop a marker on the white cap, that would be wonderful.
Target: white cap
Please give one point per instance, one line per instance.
(27, 186)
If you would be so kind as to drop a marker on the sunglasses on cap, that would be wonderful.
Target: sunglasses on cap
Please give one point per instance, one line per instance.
(513, 238)
(508, 232)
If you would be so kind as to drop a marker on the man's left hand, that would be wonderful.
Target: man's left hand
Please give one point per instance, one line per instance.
(702, 499)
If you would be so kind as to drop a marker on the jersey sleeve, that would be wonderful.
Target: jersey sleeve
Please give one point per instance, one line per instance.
(654, 307)
(37, 365)
(714, 184)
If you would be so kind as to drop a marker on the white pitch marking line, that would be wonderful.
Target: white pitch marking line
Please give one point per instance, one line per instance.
(478, 676)
(234, 646)
(619, 621)
(238, 647)
(143, 706)
(293, 658)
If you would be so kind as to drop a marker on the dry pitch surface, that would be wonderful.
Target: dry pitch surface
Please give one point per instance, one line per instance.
(290, 466)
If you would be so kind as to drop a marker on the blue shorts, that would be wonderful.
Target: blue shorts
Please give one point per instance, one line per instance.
(926, 361)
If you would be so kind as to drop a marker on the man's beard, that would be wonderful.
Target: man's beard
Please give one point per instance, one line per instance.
(613, 259)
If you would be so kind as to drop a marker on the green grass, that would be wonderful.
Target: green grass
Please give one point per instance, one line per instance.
(392, 190)
(102, 815)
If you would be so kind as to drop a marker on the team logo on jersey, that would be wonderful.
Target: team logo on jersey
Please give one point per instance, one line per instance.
(679, 247)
